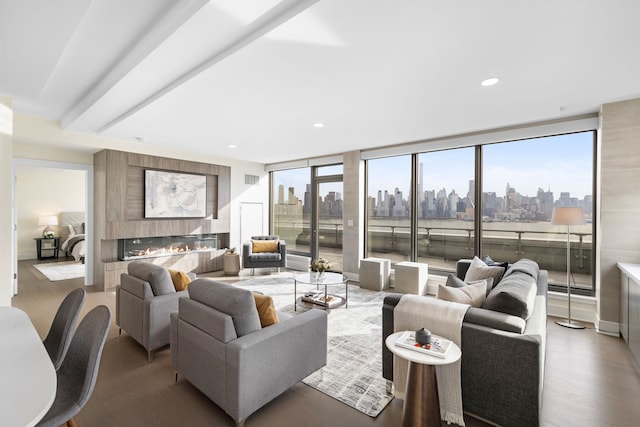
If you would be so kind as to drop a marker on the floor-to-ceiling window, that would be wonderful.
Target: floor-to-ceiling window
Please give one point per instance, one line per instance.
(491, 199)
(522, 182)
(291, 203)
(446, 206)
(389, 208)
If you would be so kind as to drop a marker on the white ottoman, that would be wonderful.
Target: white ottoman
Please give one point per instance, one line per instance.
(374, 273)
(411, 277)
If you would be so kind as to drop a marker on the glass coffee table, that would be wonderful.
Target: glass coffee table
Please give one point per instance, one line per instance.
(318, 298)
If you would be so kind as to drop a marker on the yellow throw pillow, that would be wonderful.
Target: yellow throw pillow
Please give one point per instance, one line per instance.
(180, 279)
(264, 246)
(266, 310)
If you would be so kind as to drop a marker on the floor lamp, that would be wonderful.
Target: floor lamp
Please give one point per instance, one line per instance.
(568, 217)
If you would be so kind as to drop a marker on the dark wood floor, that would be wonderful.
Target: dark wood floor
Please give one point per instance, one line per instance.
(590, 379)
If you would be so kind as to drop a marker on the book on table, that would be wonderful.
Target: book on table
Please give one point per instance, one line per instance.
(319, 298)
(438, 348)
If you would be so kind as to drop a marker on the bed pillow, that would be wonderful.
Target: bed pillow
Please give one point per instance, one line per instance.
(72, 231)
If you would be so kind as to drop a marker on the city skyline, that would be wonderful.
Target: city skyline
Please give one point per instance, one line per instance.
(557, 164)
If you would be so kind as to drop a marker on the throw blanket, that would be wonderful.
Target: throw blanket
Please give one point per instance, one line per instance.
(442, 318)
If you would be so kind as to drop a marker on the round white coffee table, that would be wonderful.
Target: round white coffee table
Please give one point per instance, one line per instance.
(421, 404)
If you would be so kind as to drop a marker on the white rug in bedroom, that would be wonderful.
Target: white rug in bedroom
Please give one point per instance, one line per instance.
(55, 271)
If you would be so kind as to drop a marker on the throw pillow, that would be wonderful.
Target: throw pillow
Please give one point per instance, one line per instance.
(180, 279)
(491, 263)
(515, 297)
(454, 281)
(471, 294)
(266, 310)
(264, 246)
(478, 270)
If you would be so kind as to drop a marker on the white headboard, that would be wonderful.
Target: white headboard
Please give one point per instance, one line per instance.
(67, 218)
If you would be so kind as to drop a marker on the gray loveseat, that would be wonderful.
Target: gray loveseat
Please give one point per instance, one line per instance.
(503, 356)
(219, 346)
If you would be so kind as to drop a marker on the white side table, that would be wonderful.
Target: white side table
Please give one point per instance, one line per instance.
(374, 273)
(421, 404)
(411, 277)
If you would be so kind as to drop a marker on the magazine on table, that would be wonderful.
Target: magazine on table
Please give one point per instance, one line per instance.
(438, 348)
(319, 298)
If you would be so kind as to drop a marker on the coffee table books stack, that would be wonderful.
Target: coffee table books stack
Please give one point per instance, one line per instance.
(319, 298)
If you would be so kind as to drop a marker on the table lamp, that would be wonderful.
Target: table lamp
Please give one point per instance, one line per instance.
(47, 220)
(568, 217)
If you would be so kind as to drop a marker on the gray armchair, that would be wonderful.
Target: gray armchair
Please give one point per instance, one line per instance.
(252, 259)
(218, 345)
(145, 298)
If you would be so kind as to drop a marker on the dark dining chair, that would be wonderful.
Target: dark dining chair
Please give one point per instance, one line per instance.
(79, 371)
(59, 336)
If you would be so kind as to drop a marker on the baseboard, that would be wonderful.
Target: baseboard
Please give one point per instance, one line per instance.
(583, 309)
(606, 327)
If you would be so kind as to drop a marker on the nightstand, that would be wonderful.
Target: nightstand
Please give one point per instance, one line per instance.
(49, 246)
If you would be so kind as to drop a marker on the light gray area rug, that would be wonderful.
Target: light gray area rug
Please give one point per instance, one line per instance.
(56, 271)
(353, 374)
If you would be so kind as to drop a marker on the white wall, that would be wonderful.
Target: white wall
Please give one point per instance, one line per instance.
(6, 191)
(44, 191)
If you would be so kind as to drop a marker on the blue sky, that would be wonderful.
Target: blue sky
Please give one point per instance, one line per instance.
(559, 163)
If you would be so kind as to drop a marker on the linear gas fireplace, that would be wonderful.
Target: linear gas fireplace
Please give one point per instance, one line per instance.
(149, 247)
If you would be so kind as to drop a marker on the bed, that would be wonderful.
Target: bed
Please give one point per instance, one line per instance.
(72, 234)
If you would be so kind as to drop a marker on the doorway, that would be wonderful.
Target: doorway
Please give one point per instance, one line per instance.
(327, 218)
(49, 188)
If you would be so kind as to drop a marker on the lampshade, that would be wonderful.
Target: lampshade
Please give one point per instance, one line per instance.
(567, 216)
(48, 220)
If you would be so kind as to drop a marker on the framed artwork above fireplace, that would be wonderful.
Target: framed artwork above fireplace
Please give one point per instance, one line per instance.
(170, 194)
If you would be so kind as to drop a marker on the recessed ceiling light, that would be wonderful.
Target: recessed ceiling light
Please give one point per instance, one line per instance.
(318, 125)
(233, 146)
(490, 81)
(138, 138)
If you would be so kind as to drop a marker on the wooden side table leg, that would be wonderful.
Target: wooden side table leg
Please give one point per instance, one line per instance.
(421, 404)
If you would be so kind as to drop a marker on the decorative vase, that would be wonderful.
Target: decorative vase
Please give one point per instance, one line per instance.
(320, 275)
(423, 336)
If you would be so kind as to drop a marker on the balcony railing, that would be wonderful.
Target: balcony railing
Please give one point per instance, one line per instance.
(441, 246)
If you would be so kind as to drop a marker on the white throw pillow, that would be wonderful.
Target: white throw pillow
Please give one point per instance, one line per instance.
(478, 270)
(472, 294)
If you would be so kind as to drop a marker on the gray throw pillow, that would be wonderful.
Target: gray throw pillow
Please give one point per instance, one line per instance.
(157, 276)
(454, 281)
(514, 295)
(236, 302)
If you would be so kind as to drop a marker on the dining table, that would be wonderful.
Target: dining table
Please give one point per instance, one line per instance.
(27, 376)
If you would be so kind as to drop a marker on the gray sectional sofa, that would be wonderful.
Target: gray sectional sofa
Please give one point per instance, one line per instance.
(503, 355)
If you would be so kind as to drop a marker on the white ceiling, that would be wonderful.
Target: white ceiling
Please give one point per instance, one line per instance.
(200, 75)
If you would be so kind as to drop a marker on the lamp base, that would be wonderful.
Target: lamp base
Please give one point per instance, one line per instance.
(570, 324)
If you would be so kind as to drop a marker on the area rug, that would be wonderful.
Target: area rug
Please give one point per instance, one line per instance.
(56, 271)
(353, 374)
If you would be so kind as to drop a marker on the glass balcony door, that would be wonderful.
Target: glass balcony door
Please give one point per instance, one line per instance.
(328, 225)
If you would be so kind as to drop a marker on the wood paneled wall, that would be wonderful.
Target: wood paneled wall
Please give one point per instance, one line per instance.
(119, 203)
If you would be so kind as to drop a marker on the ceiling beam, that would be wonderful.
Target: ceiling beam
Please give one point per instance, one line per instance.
(173, 19)
(276, 16)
